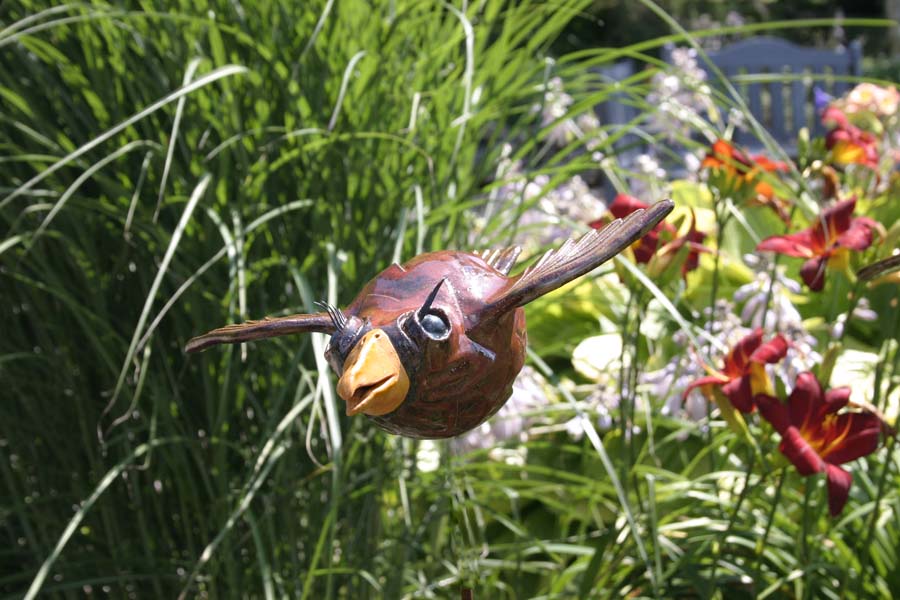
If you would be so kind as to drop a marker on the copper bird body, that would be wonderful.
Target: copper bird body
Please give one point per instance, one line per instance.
(430, 348)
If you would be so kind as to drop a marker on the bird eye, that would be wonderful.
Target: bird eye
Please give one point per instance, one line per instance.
(435, 325)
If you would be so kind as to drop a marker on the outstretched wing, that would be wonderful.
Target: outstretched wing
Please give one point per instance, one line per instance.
(501, 259)
(264, 328)
(579, 257)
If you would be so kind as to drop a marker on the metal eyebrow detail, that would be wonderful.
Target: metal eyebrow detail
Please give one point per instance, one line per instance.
(337, 317)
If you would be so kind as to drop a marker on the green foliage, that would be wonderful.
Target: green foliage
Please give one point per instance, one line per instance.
(174, 167)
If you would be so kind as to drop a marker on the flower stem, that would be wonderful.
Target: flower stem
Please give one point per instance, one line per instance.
(721, 221)
(624, 412)
(723, 535)
(863, 551)
(761, 545)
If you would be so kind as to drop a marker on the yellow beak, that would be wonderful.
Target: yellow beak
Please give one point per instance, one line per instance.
(374, 380)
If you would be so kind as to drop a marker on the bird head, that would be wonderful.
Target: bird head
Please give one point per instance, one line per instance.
(378, 365)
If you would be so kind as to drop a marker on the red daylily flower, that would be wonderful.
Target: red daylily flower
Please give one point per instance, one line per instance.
(724, 157)
(851, 145)
(694, 239)
(644, 249)
(744, 374)
(848, 143)
(815, 438)
(827, 242)
(661, 239)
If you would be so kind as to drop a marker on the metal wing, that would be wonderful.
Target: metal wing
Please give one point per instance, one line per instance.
(579, 257)
(264, 328)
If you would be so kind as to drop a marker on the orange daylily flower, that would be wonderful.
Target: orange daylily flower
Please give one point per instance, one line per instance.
(746, 171)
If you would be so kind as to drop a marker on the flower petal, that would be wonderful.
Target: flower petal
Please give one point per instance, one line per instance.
(837, 399)
(859, 235)
(740, 393)
(805, 402)
(644, 249)
(800, 453)
(801, 244)
(623, 205)
(707, 380)
(852, 145)
(821, 99)
(769, 165)
(834, 117)
(859, 437)
(813, 273)
(839, 482)
(837, 217)
(772, 351)
(737, 360)
(774, 411)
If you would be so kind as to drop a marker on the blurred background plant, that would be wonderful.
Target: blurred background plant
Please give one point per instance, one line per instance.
(168, 168)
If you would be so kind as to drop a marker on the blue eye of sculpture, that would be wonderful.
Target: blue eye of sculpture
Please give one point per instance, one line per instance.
(434, 325)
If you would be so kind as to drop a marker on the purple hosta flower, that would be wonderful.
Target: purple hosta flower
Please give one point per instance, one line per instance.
(599, 359)
(512, 420)
(801, 356)
(693, 162)
(574, 428)
(593, 144)
(838, 35)
(861, 311)
(649, 166)
(553, 112)
(539, 216)
(587, 123)
(668, 384)
(767, 300)
(685, 62)
(821, 100)
(600, 405)
(428, 456)
(682, 96)
(734, 19)
(574, 201)
(736, 118)
(650, 180)
(704, 21)
(505, 201)
(723, 324)
(558, 215)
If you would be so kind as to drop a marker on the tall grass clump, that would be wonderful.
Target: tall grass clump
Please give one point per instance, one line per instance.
(168, 168)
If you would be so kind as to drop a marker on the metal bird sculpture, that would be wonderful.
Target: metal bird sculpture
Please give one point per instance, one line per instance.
(430, 349)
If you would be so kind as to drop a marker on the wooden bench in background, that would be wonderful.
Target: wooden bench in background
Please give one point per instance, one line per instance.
(776, 79)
